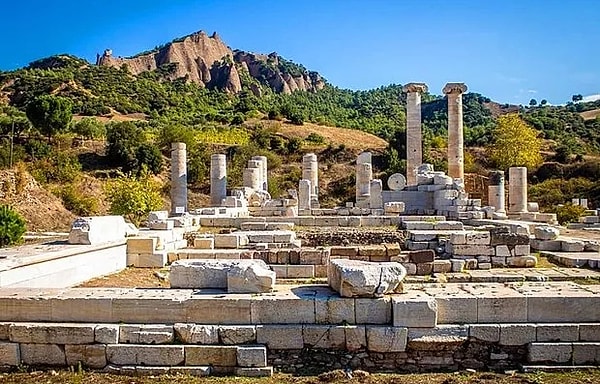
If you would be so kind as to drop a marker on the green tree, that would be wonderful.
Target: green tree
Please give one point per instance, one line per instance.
(12, 226)
(532, 102)
(123, 139)
(148, 157)
(577, 98)
(89, 128)
(515, 144)
(50, 114)
(134, 197)
(543, 102)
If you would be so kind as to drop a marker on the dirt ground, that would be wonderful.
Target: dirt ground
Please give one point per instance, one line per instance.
(54, 377)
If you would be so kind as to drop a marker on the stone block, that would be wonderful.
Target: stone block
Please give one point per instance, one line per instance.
(586, 353)
(457, 265)
(416, 245)
(546, 245)
(485, 332)
(237, 335)
(589, 332)
(549, 352)
(502, 251)
(92, 356)
(39, 333)
(562, 307)
(386, 339)
(251, 356)
(253, 372)
(334, 310)
(196, 333)
(255, 277)
(313, 256)
(141, 245)
(320, 270)
(521, 250)
(544, 232)
(344, 251)
(570, 245)
(230, 240)
(442, 266)
(424, 269)
(411, 268)
(392, 249)
(517, 334)
(557, 332)
(122, 354)
(324, 337)
(373, 310)
(478, 238)
(280, 336)
(522, 261)
(232, 310)
(146, 334)
(372, 250)
(300, 271)
(106, 333)
(283, 310)
(472, 250)
(9, 354)
(459, 238)
(42, 354)
(98, 230)
(356, 337)
(353, 278)
(4, 331)
(414, 310)
(215, 355)
(424, 256)
(443, 337)
(204, 243)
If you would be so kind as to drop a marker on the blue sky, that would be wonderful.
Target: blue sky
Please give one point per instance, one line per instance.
(510, 50)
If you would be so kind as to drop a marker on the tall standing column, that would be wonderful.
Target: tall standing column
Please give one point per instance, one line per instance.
(456, 160)
(496, 191)
(517, 189)
(218, 179)
(364, 175)
(178, 179)
(264, 184)
(414, 142)
(310, 172)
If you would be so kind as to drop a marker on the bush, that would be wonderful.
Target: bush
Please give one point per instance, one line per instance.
(554, 192)
(60, 167)
(315, 138)
(148, 157)
(76, 202)
(89, 128)
(123, 139)
(568, 213)
(133, 197)
(12, 226)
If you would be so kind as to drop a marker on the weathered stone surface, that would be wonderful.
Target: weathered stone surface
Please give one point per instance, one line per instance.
(238, 334)
(122, 354)
(10, 354)
(517, 334)
(557, 332)
(252, 356)
(146, 334)
(356, 337)
(92, 356)
(386, 339)
(373, 310)
(280, 336)
(196, 333)
(250, 278)
(4, 330)
(324, 336)
(223, 356)
(549, 352)
(589, 332)
(253, 372)
(334, 310)
(485, 332)
(353, 278)
(586, 353)
(106, 334)
(98, 230)
(415, 309)
(38, 333)
(544, 232)
(43, 354)
(442, 337)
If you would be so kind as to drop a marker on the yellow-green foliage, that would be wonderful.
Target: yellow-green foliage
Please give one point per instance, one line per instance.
(134, 197)
(232, 136)
(75, 201)
(568, 213)
(515, 144)
(12, 226)
(553, 192)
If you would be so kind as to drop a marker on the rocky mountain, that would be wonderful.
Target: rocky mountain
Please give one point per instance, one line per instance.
(208, 61)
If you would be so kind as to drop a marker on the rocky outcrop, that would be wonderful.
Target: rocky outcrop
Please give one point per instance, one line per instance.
(209, 61)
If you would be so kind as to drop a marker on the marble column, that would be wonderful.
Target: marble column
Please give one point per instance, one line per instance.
(264, 169)
(310, 172)
(178, 179)
(414, 141)
(456, 161)
(496, 191)
(364, 175)
(218, 179)
(517, 189)
(304, 201)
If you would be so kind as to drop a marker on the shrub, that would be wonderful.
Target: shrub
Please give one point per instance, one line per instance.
(74, 200)
(133, 197)
(293, 145)
(12, 226)
(61, 167)
(149, 157)
(89, 128)
(568, 213)
(315, 138)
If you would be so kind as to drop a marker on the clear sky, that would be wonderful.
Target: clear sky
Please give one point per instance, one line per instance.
(509, 50)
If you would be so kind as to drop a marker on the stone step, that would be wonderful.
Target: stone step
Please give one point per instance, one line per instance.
(555, 368)
(574, 259)
(144, 370)
(573, 353)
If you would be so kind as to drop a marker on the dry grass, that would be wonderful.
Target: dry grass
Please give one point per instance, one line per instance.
(351, 138)
(590, 115)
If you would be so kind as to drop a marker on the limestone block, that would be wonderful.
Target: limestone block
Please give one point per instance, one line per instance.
(42, 354)
(557, 332)
(220, 356)
(449, 226)
(313, 256)
(344, 251)
(283, 310)
(260, 237)
(545, 232)
(39, 333)
(146, 334)
(9, 354)
(416, 245)
(498, 304)
(196, 334)
(280, 336)
(586, 353)
(353, 278)
(157, 259)
(237, 335)
(253, 226)
(141, 245)
(441, 337)
(98, 230)
(571, 245)
(253, 372)
(522, 261)
(106, 333)
(320, 270)
(123, 354)
(252, 356)
(484, 266)
(280, 271)
(230, 240)
(457, 265)
(324, 336)
(373, 310)
(424, 269)
(546, 245)
(300, 271)
(442, 266)
(392, 249)
(250, 278)
(204, 243)
(386, 339)
(517, 334)
(522, 250)
(162, 225)
(459, 238)
(454, 305)
(414, 309)
(334, 310)
(356, 337)
(589, 332)
(478, 238)
(371, 250)
(549, 352)
(92, 356)
(411, 268)
(231, 310)
(502, 251)
(418, 225)
(424, 256)
(472, 250)
(4, 331)
(485, 332)
(562, 307)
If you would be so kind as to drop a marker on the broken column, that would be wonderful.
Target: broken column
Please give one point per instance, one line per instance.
(304, 204)
(517, 189)
(496, 191)
(178, 179)
(264, 185)
(414, 144)
(252, 176)
(376, 198)
(456, 162)
(310, 171)
(218, 179)
(364, 174)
